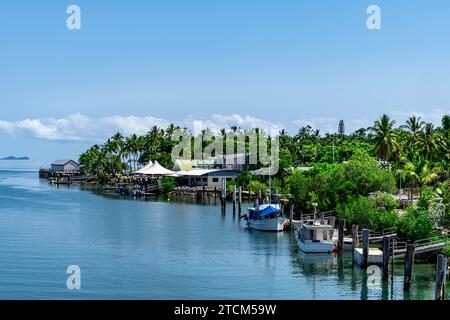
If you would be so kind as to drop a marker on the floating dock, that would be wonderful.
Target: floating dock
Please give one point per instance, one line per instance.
(375, 256)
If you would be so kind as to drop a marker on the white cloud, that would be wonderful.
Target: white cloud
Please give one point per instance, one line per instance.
(218, 121)
(78, 127)
(433, 116)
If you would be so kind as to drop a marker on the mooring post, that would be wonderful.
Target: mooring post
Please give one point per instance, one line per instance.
(224, 194)
(441, 275)
(259, 195)
(393, 257)
(234, 199)
(386, 240)
(409, 264)
(240, 200)
(365, 240)
(341, 234)
(355, 240)
(291, 215)
(333, 221)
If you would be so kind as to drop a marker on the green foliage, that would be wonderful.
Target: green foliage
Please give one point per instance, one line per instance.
(443, 191)
(256, 185)
(367, 213)
(359, 210)
(446, 251)
(168, 183)
(244, 179)
(416, 224)
(385, 201)
(335, 183)
(426, 199)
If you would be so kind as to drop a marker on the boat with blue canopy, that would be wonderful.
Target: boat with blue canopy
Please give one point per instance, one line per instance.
(266, 217)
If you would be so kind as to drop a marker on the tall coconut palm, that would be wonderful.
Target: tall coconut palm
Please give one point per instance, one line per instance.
(428, 141)
(384, 137)
(420, 172)
(446, 124)
(414, 126)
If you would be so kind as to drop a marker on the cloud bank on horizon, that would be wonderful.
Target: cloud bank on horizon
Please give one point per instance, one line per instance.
(78, 127)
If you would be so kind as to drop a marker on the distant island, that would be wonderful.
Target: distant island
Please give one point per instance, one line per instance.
(15, 158)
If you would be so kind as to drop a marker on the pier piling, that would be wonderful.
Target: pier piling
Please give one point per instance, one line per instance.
(240, 200)
(409, 264)
(355, 240)
(291, 215)
(392, 258)
(234, 199)
(365, 240)
(341, 234)
(386, 241)
(223, 194)
(441, 275)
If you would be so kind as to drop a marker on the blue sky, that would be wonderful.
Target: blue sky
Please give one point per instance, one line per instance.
(276, 63)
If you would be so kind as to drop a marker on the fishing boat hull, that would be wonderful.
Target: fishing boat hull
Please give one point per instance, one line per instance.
(274, 224)
(313, 247)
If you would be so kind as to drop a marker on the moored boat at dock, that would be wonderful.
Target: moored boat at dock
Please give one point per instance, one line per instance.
(266, 217)
(315, 237)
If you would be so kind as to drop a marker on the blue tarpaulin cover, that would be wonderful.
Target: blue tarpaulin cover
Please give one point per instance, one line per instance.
(254, 213)
(267, 211)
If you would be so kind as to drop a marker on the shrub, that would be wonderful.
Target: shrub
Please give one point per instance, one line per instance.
(446, 251)
(416, 224)
(360, 211)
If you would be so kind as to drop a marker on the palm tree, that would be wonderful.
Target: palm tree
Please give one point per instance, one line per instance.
(446, 124)
(428, 142)
(414, 125)
(420, 172)
(384, 137)
(133, 146)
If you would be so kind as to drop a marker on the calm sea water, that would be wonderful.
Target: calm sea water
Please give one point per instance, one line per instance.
(162, 249)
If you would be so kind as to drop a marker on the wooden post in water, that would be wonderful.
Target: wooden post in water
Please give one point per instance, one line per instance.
(409, 264)
(441, 275)
(234, 199)
(240, 200)
(386, 240)
(355, 239)
(341, 234)
(333, 221)
(259, 196)
(224, 194)
(393, 257)
(365, 240)
(291, 215)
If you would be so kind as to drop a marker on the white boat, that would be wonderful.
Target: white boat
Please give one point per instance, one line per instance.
(266, 217)
(315, 237)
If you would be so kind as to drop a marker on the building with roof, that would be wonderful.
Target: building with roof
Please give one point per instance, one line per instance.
(207, 177)
(65, 166)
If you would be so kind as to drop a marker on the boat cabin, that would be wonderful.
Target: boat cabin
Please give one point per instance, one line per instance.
(315, 232)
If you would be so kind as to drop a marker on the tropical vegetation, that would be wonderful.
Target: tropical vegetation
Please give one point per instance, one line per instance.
(354, 174)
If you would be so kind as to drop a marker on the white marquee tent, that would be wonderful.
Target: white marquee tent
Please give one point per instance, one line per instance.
(141, 171)
(155, 170)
